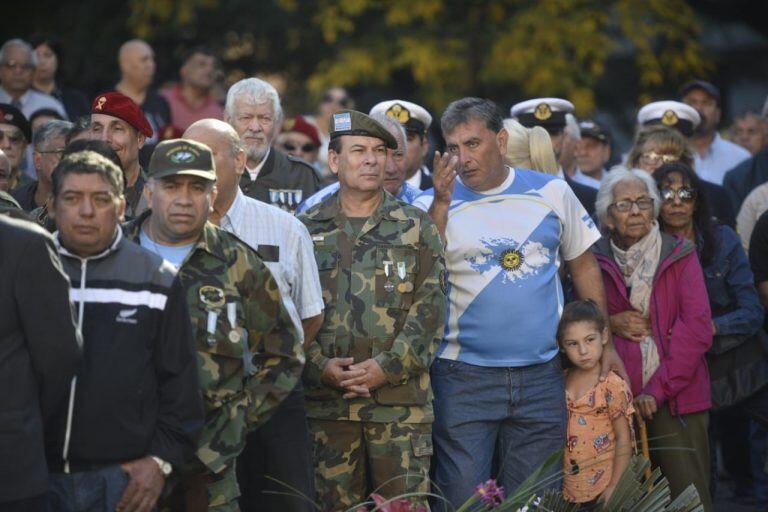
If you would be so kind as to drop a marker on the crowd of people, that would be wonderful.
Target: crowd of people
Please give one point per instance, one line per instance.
(217, 306)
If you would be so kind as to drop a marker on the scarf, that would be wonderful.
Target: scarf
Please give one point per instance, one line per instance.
(638, 265)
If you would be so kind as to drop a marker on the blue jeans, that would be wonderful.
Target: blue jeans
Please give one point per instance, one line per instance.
(516, 415)
(87, 491)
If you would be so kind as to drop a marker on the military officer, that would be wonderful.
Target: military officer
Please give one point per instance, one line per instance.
(248, 349)
(369, 400)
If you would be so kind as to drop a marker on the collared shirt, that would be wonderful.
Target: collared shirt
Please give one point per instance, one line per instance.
(415, 180)
(580, 177)
(504, 247)
(406, 194)
(721, 157)
(32, 101)
(285, 247)
(183, 114)
(254, 173)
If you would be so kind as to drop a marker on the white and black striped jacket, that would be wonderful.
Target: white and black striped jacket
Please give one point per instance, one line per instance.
(137, 391)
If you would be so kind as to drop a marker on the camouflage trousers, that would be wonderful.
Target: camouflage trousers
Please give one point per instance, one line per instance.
(199, 490)
(354, 458)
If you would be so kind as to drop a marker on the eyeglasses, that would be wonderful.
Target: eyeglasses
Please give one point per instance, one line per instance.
(14, 138)
(58, 152)
(685, 194)
(653, 158)
(625, 205)
(330, 98)
(14, 66)
(305, 148)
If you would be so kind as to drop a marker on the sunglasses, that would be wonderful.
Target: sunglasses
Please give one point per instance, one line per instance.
(305, 148)
(330, 98)
(14, 138)
(651, 157)
(685, 194)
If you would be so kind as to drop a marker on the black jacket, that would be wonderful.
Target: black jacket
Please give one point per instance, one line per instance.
(584, 193)
(137, 392)
(281, 172)
(39, 353)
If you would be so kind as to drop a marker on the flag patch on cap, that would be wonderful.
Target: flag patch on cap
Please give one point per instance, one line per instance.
(342, 122)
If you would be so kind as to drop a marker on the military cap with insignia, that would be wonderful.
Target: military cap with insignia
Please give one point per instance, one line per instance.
(413, 117)
(590, 128)
(673, 114)
(119, 105)
(182, 156)
(549, 113)
(352, 122)
(13, 116)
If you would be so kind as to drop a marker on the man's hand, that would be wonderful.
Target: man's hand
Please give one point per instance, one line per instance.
(611, 361)
(630, 325)
(337, 371)
(444, 176)
(144, 487)
(372, 378)
(645, 405)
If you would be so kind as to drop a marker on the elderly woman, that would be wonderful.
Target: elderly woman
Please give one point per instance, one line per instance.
(660, 320)
(657, 144)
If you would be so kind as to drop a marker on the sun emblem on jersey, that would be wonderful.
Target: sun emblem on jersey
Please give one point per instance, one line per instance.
(511, 259)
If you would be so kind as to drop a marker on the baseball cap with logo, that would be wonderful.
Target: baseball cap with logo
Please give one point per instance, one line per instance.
(590, 128)
(184, 157)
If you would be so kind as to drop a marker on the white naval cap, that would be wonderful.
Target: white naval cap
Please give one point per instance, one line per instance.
(544, 112)
(673, 114)
(413, 117)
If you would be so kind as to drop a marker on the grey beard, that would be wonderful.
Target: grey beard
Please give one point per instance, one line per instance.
(257, 154)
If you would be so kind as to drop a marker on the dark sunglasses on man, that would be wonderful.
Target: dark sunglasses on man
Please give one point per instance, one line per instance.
(14, 138)
(305, 148)
(685, 194)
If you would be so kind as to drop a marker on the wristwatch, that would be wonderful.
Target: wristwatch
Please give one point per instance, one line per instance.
(165, 467)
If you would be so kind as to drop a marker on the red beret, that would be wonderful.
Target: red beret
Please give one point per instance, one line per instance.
(121, 106)
(301, 125)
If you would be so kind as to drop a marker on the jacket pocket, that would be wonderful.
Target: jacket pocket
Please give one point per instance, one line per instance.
(327, 267)
(414, 392)
(396, 269)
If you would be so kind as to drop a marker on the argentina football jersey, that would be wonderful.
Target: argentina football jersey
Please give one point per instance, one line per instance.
(503, 250)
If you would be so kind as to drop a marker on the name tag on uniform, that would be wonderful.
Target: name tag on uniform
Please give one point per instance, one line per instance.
(269, 253)
(318, 239)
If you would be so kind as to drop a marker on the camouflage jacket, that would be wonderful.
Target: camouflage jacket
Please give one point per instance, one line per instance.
(383, 300)
(245, 369)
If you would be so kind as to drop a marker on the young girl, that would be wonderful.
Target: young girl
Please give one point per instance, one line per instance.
(599, 439)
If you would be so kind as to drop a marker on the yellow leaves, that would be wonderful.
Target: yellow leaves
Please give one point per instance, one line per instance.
(351, 66)
(148, 15)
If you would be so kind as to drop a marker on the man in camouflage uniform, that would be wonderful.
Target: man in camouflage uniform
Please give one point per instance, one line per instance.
(248, 349)
(369, 399)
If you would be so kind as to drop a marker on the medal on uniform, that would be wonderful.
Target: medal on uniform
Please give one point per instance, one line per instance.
(234, 335)
(389, 286)
(401, 270)
(213, 317)
(298, 194)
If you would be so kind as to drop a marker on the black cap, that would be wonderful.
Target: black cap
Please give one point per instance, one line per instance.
(590, 128)
(352, 122)
(182, 156)
(705, 86)
(11, 115)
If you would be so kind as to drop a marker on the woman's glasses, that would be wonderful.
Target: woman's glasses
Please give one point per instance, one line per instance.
(685, 194)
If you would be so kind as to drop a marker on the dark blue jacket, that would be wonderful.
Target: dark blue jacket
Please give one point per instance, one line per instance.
(742, 179)
(733, 298)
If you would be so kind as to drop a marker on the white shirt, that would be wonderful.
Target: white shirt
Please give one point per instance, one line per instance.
(256, 170)
(503, 248)
(580, 177)
(285, 247)
(32, 101)
(721, 157)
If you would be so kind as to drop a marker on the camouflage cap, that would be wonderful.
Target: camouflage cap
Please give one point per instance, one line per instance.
(352, 122)
(182, 156)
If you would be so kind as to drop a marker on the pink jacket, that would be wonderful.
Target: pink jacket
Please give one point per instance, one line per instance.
(681, 324)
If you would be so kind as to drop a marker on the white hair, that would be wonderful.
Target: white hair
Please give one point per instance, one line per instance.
(23, 44)
(256, 91)
(619, 174)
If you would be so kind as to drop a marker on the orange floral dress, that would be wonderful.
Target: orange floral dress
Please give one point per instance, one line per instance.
(589, 452)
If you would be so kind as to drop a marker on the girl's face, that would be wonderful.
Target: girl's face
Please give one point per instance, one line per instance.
(583, 344)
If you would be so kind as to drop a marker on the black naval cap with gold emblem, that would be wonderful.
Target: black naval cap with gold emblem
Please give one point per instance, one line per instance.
(182, 156)
(352, 122)
(673, 114)
(413, 117)
(549, 113)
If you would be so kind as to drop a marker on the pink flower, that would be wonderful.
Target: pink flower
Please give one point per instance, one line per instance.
(398, 505)
(491, 494)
